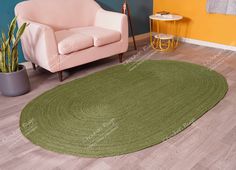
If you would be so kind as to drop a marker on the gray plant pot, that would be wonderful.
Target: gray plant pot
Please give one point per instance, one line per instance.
(16, 83)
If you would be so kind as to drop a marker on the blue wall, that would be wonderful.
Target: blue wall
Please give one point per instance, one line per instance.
(140, 10)
(6, 15)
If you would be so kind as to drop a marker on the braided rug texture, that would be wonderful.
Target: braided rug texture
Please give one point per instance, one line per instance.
(122, 109)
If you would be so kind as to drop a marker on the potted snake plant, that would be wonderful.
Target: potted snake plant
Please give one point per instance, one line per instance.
(14, 80)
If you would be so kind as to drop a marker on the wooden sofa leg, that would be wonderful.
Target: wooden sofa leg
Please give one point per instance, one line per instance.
(34, 66)
(121, 57)
(60, 76)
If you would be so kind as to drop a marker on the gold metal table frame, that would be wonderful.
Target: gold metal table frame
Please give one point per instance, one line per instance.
(160, 41)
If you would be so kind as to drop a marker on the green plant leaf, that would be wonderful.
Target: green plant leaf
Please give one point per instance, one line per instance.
(3, 52)
(1, 62)
(12, 29)
(13, 39)
(14, 61)
(0, 56)
(4, 39)
(19, 34)
(14, 57)
(8, 54)
(9, 51)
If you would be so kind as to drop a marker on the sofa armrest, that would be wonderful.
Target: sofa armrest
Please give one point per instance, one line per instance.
(113, 20)
(40, 46)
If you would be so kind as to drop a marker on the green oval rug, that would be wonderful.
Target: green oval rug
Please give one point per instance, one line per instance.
(122, 109)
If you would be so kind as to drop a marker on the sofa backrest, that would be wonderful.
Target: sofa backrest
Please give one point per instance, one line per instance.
(59, 14)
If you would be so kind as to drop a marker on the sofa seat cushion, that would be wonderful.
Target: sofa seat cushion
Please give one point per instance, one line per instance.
(72, 41)
(101, 36)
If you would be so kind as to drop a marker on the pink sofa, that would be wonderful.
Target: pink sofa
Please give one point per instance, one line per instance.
(66, 33)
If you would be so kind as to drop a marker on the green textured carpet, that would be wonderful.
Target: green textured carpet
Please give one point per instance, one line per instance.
(122, 109)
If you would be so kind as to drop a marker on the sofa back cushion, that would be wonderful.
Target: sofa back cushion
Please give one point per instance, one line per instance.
(59, 14)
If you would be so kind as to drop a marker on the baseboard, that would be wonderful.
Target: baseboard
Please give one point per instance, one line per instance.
(208, 44)
(192, 41)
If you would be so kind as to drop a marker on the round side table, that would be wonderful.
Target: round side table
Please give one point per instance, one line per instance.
(164, 41)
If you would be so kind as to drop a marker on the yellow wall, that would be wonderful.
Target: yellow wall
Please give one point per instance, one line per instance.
(202, 26)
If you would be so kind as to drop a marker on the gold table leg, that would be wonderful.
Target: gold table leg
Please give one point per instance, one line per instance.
(160, 44)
